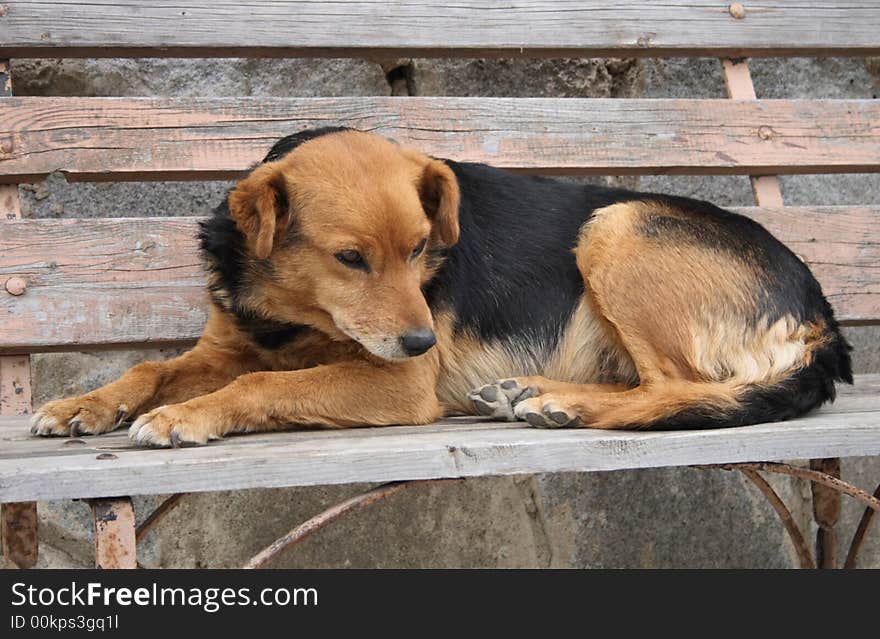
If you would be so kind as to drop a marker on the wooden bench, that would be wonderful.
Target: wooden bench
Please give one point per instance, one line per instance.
(79, 284)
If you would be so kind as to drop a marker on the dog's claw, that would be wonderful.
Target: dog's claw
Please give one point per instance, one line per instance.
(75, 427)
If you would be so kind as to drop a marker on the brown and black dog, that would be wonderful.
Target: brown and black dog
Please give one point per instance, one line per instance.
(355, 282)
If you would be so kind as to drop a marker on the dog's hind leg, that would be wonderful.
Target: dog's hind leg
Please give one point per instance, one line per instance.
(500, 399)
(700, 313)
(595, 407)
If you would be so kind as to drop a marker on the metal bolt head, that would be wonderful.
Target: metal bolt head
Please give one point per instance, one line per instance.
(737, 10)
(16, 285)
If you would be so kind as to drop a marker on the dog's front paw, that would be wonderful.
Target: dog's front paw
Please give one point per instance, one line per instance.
(499, 400)
(90, 414)
(174, 425)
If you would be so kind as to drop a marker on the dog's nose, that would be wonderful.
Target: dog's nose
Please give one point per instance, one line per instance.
(418, 341)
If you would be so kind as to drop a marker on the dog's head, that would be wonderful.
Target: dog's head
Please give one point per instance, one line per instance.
(341, 228)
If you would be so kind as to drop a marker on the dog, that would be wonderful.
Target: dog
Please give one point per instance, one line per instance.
(356, 282)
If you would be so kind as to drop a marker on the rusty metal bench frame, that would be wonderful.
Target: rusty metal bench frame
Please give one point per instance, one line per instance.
(729, 32)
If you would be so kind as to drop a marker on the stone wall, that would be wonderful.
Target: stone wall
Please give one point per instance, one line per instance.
(646, 518)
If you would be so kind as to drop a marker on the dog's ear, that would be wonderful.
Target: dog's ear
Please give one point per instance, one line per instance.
(260, 207)
(438, 190)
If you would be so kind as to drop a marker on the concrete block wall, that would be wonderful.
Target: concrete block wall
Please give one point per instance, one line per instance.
(646, 518)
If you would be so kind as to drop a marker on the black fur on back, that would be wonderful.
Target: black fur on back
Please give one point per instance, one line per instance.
(512, 277)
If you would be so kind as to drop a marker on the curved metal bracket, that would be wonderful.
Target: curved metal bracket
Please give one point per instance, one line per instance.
(313, 525)
(825, 506)
(797, 538)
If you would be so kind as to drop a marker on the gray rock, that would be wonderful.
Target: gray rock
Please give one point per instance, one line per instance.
(587, 78)
(59, 198)
(664, 518)
(478, 523)
(194, 77)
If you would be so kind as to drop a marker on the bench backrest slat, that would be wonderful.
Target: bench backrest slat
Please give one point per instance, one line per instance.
(420, 27)
(181, 138)
(114, 282)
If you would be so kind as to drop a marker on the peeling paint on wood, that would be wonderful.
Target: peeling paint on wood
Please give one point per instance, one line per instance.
(18, 529)
(15, 385)
(115, 545)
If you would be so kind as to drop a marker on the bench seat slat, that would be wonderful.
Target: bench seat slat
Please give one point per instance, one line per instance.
(36, 469)
(421, 27)
(98, 283)
(220, 138)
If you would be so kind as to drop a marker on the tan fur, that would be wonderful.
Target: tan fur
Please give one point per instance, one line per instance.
(464, 362)
(589, 351)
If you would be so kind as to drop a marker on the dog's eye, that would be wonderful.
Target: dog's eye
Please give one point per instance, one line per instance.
(352, 259)
(418, 250)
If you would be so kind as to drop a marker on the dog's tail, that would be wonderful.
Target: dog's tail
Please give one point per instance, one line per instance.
(700, 405)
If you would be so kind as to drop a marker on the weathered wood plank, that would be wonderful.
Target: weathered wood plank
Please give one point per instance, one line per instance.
(738, 79)
(466, 447)
(190, 138)
(16, 392)
(94, 281)
(115, 543)
(136, 281)
(19, 540)
(420, 27)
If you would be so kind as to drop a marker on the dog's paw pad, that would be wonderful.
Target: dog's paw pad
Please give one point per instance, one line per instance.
(541, 414)
(499, 399)
(489, 393)
(482, 407)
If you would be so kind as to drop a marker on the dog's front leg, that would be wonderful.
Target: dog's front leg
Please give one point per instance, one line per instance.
(216, 360)
(345, 394)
